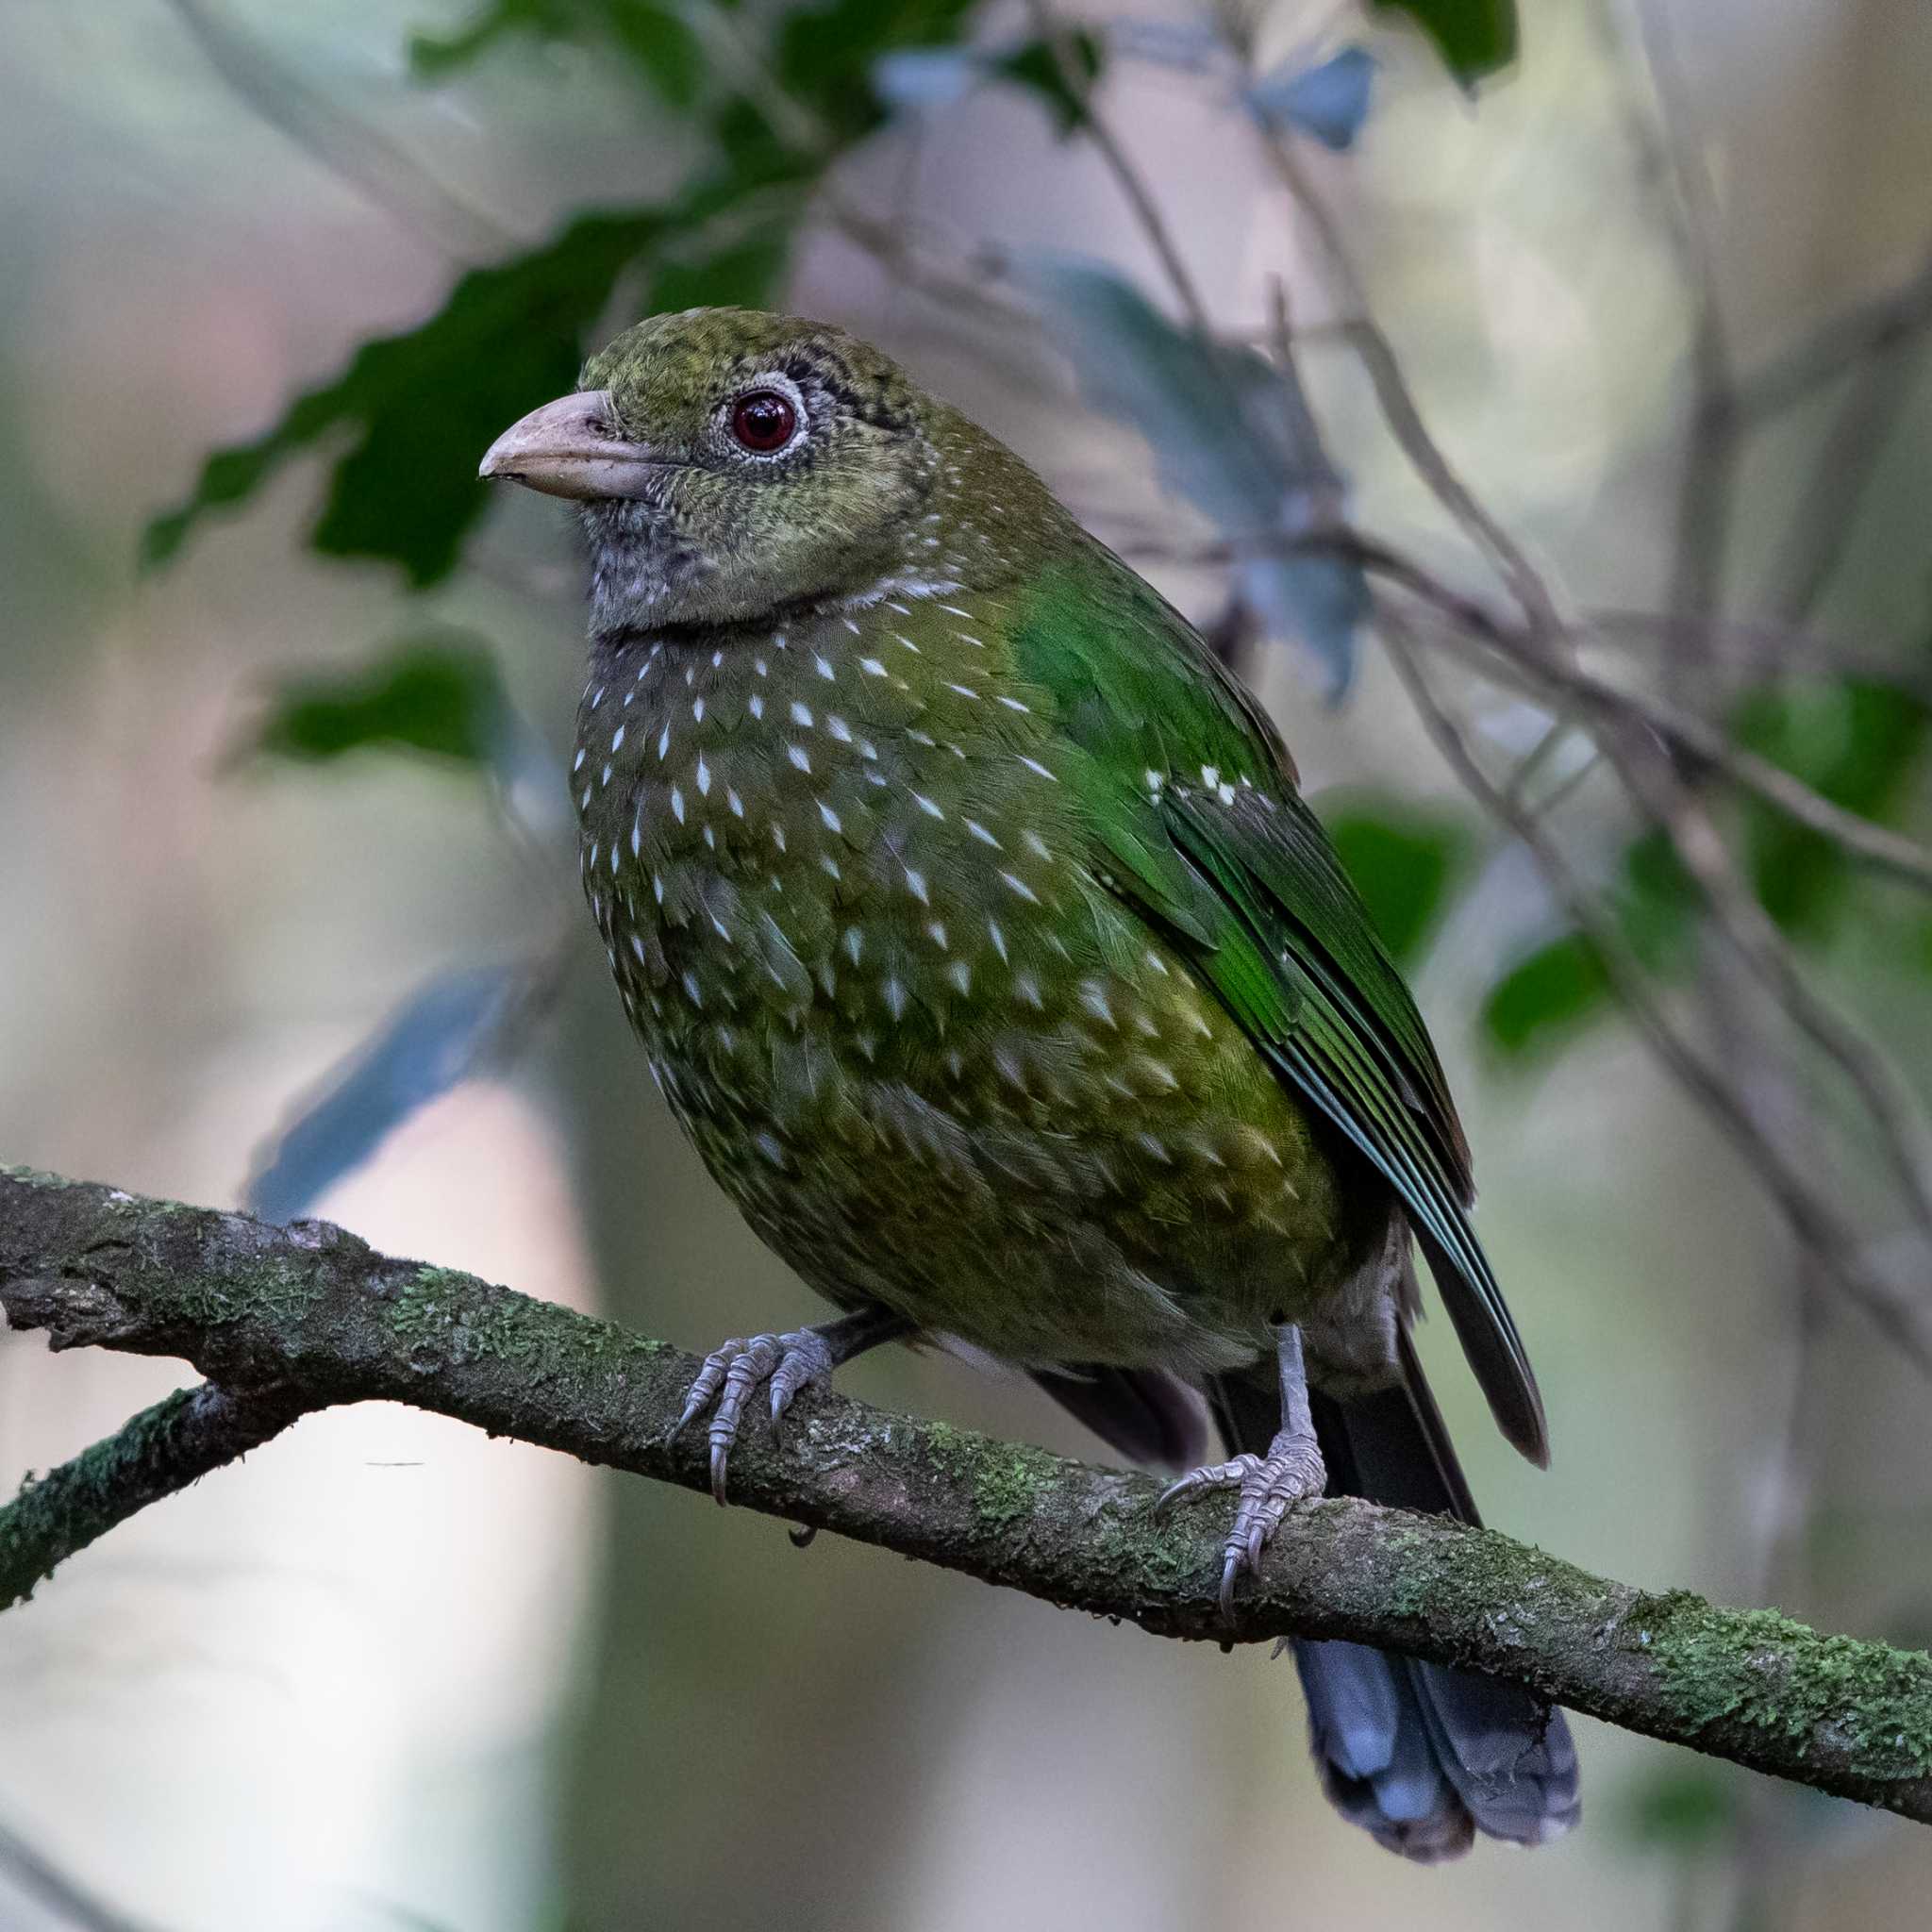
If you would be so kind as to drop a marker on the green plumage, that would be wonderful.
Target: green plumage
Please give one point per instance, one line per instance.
(975, 927)
(978, 934)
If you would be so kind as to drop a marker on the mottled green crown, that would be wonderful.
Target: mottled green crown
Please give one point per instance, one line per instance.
(881, 484)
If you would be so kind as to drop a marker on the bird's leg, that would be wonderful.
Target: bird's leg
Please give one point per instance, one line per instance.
(789, 1362)
(1271, 1484)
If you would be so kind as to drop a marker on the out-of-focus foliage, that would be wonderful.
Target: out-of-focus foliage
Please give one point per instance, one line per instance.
(1403, 861)
(1232, 433)
(1682, 1810)
(938, 76)
(1328, 101)
(1859, 743)
(1475, 38)
(667, 52)
(444, 1034)
(436, 693)
(1543, 1000)
(423, 406)
(407, 490)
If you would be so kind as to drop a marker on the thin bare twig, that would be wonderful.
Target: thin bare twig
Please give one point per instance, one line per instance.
(379, 169)
(1397, 400)
(1099, 130)
(1901, 1315)
(36, 1876)
(1873, 328)
(1610, 704)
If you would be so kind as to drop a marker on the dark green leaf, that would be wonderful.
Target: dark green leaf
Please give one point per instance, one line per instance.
(1656, 903)
(433, 55)
(825, 54)
(419, 408)
(442, 1036)
(1474, 37)
(1858, 743)
(1402, 861)
(1232, 433)
(1035, 67)
(422, 407)
(1543, 999)
(1547, 998)
(743, 277)
(664, 48)
(1680, 1810)
(437, 694)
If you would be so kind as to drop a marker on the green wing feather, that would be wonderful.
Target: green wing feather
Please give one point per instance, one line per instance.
(1194, 805)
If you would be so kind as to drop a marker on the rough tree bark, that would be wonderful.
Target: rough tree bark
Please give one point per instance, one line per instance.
(285, 1321)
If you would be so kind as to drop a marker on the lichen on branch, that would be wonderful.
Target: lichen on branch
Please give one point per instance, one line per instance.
(282, 1321)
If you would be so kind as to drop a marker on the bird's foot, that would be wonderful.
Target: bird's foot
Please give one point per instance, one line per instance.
(735, 1369)
(1270, 1486)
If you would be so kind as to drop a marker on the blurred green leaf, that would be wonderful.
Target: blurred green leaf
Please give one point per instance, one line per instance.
(1545, 997)
(825, 56)
(423, 406)
(1474, 37)
(1679, 1810)
(1232, 433)
(1857, 743)
(662, 45)
(437, 694)
(419, 408)
(1035, 67)
(444, 1034)
(1656, 902)
(1403, 862)
(1550, 995)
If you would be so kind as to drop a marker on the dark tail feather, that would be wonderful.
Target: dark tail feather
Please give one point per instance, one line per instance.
(1146, 1414)
(1420, 1756)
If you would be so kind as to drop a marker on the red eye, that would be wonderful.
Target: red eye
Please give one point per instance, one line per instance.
(764, 421)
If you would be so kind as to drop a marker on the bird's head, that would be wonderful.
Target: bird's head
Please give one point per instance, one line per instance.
(733, 465)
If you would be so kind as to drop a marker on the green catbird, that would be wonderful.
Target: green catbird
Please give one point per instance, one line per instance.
(980, 937)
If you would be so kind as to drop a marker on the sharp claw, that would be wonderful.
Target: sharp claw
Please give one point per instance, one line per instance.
(1262, 1510)
(1230, 1570)
(732, 1371)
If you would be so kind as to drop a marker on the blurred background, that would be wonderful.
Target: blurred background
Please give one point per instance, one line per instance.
(289, 907)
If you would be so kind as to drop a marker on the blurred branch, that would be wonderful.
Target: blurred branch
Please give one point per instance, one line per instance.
(316, 1316)
(1875, 846)
(1899, 1311)
(1397, 401)
(33, 1873)
(1635, 735)
(1099, 130)
(377, 168)
(164, 1449)
(1876, 327)
(1874, 406)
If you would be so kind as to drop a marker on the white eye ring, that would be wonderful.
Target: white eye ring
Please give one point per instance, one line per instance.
(777, 387)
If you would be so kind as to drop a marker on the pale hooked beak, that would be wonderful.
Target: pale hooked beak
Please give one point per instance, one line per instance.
(571, 447)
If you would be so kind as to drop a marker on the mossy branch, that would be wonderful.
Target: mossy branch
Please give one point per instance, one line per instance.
(285, 1321)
